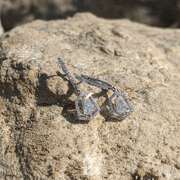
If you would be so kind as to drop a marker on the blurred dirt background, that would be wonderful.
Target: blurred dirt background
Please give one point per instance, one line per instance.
(161, 13)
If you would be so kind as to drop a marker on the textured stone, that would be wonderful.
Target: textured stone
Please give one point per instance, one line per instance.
(41, 137)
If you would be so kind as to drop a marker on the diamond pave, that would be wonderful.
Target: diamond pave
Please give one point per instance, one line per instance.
(121, 105)
(92, 105)
(85, 104)
(88, 107)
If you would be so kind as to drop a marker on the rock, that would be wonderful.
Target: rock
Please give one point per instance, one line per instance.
(41, 137)
(156, 13)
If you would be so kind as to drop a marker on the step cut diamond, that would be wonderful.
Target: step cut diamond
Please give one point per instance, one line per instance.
(88, 107)
(121, 105)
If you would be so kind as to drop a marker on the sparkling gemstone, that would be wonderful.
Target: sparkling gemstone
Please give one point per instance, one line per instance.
(121, 105)
(88, 107)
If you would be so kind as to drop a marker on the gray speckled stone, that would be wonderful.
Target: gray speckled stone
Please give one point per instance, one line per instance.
(121, 105)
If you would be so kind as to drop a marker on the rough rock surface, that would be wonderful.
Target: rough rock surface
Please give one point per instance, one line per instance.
(163, 13)
(41, 137)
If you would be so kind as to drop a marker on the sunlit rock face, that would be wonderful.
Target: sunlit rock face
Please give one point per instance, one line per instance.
(40, 134)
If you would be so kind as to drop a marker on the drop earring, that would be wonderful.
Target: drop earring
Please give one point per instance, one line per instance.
(120, 106)
(85, 104)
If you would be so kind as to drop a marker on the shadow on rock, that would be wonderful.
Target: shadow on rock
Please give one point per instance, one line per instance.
(45, 97)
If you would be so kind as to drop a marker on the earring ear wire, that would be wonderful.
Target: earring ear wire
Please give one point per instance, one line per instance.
(94, 82)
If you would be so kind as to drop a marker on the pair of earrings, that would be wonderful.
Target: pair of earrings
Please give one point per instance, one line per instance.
(86, 106)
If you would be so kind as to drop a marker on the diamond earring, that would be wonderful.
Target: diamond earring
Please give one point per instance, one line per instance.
(119, 103)
(85, 104)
